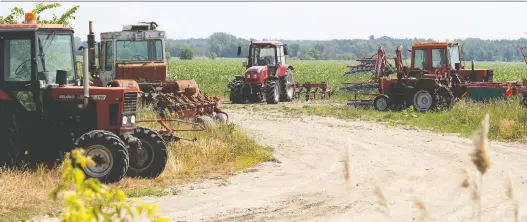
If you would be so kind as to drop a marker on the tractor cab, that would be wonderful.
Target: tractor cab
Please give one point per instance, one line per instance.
(432, 56)
(137, 53)
(444, 58)
(271, 54)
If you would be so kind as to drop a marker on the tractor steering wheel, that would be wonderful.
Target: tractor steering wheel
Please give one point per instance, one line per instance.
(139, 57)
(19, 71)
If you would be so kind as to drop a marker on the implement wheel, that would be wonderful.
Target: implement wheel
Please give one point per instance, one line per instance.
(382, 102)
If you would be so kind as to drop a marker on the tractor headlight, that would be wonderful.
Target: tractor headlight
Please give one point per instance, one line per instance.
(125, 120)
(132, 119)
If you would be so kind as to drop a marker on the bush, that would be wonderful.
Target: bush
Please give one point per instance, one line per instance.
(89, 200)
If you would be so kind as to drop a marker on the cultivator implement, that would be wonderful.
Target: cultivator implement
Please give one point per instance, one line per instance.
(311, 89)
(184, 106)
(367, 65)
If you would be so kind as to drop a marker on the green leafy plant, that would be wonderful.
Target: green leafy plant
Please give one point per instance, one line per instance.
(86, 199)
(17, 13)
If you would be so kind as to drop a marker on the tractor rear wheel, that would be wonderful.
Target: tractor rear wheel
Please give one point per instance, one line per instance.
(9, 136)
(149, 158)
(109, 153)
(424, 100)
(382, 103)
(446, 98)
(272, 91)
(237, 95)
(287, 85)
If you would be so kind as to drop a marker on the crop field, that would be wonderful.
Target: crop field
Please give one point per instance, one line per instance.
(214, 75)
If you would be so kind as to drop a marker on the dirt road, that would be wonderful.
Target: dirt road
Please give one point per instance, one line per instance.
(309, 185)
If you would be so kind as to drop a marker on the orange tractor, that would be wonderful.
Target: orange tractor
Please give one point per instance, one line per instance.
(433, 81)
(46, 111)
(135, 57)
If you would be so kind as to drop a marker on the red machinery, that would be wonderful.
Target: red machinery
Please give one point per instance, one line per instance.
(268, 77)
(135, 57)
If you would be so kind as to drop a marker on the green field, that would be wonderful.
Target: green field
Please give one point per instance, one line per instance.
(214, 75)
(508, 119)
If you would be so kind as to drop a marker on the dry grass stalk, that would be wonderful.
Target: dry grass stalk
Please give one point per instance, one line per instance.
(466, 181)
(347, 166)
(512, 197)
(480, 156)
(382, 199)
(422, 208)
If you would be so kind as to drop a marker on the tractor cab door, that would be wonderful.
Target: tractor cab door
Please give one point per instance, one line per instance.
(107, 62)
(18, 64)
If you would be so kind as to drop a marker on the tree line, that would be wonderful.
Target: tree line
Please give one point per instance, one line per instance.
(225, 45)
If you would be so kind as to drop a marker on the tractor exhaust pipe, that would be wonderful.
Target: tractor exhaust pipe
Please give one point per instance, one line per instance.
(91, 47)
(86, 82)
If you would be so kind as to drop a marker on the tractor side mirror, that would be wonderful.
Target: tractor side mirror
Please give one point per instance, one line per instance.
(239, 50)
(457, 65)
(285, 50)
(409, 50)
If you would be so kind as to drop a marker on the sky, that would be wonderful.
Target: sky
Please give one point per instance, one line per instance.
(303, 20)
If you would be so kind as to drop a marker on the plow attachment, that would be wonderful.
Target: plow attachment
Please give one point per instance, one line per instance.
(310, 90)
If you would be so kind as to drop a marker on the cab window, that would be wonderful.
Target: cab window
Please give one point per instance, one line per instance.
(438, 58)
(421, 58)
(17, 60)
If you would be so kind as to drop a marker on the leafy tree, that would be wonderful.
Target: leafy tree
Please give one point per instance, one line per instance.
(211, 55)
(17, 13)
(187, 52)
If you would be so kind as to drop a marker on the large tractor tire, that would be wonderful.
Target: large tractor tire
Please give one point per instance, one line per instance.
(272, 91)
(382, 103)
(150, 158)
(109, 153)
(424, 100)
(237, 95)
(287, 85)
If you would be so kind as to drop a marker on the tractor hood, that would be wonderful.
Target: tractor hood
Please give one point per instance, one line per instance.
(142, 71)
(76, 93)
(255, 69)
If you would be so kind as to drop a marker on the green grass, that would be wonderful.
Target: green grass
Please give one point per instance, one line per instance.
(214, 75)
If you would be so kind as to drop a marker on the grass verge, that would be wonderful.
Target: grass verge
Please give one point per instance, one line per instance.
(218, 152)
(508, 119)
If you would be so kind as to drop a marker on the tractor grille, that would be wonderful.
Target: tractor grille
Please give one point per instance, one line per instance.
(130, 102)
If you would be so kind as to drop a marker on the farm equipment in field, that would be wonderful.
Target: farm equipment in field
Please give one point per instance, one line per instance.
(434, 80)
(46, 111)
(135, 57)
(269, 78)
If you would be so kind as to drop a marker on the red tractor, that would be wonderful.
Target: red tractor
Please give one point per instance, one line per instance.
(46, 111)
(267, 77)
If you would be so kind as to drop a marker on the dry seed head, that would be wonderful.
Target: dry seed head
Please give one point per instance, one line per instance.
(480, 156)
(510, 189)
(466, 181)
(347, 166)
(380, 196)
(421, 206)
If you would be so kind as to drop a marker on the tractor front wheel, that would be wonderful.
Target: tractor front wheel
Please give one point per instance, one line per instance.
(237, 95)
(272, 91)
(382, 103)
(446, 98)
(149, 158)
(108, 152)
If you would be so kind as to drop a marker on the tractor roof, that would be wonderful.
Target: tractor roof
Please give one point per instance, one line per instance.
(32, 27)
(275, 43)
(434, 44)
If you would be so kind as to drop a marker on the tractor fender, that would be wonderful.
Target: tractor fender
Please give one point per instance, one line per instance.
(290, 67)
(238, 77)
(272, 78)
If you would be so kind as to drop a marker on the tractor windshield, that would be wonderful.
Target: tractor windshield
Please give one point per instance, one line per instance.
(55, 53)
(264, 55)
(145, 50)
